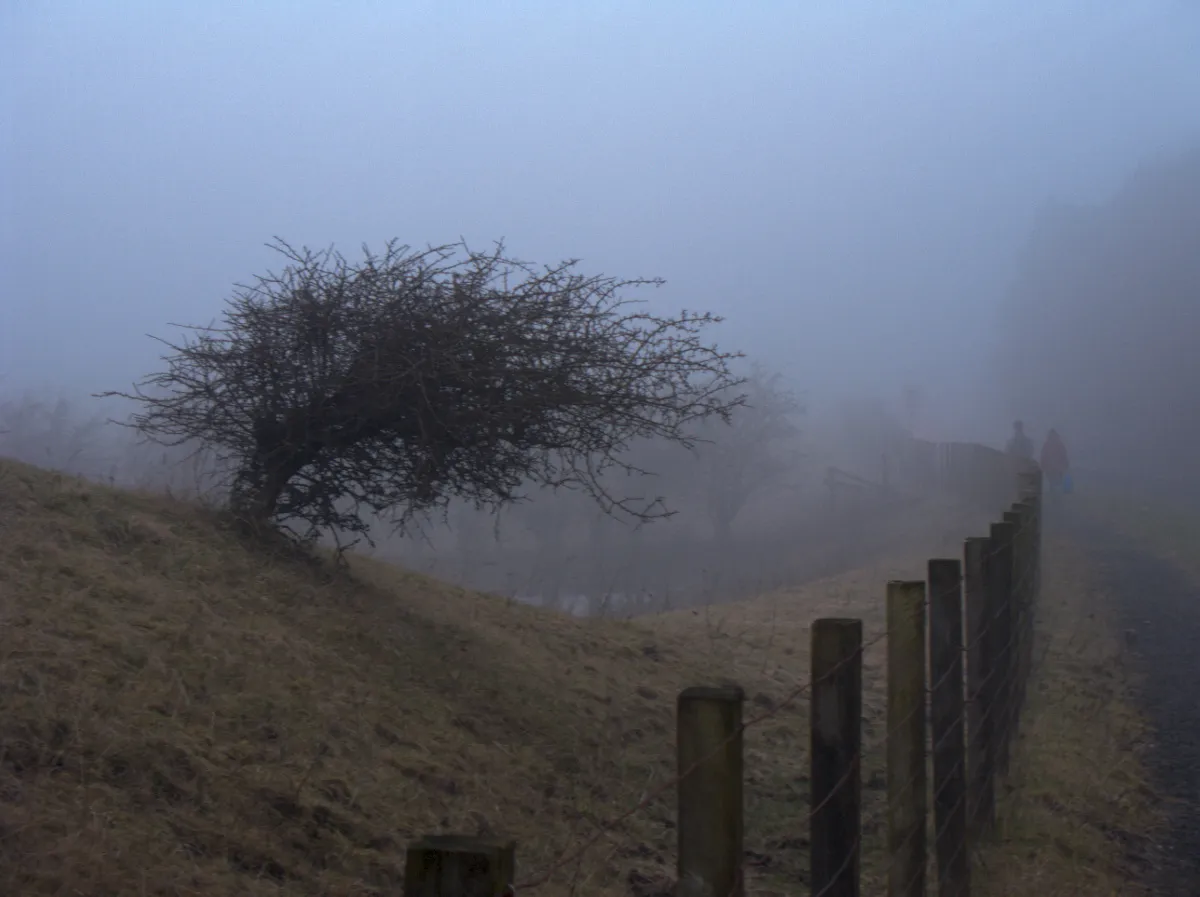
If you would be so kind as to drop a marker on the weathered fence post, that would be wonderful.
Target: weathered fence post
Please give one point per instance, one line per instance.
(1031, 505)
(709, 732)
(1028, 589)
(947, 723)
(1033, 552)
(1034, 494)
(1020, 592)
(459, 866)
(981, 804)
(999, 587)
(906, 776)
(836, 734)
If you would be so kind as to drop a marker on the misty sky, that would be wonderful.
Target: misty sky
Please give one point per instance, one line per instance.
(848, 182)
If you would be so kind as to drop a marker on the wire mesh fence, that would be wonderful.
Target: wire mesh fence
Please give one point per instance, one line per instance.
(959, 654)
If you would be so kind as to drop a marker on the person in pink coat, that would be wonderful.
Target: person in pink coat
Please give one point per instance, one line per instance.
(1056, 466)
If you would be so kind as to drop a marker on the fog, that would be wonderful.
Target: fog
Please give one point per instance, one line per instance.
(852, 185)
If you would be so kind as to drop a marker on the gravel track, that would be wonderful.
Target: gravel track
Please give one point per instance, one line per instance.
(1161, 611)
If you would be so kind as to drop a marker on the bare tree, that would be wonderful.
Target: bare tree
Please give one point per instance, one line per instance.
(755, 454)
(1099, 329)
(870, 430)
(50, 435)
(394, 384)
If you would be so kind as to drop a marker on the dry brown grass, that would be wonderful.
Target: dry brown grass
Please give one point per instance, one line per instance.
(1077, 808)
(180, 714)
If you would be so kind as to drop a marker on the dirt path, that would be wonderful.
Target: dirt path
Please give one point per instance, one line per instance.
(1162, 615)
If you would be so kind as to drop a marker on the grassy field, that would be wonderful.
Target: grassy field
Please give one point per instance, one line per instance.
(180, 714)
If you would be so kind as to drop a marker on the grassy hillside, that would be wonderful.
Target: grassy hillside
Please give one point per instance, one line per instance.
(180, 714)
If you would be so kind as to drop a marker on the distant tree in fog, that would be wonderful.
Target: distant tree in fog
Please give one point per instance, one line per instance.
(474, 530)
(49, 434)
(754, 454)
(1103, 324)
(397, 383)
(547, 516)
(870, 431)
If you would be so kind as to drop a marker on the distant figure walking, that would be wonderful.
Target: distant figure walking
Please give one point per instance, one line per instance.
(1056, 467)
(1020, 446)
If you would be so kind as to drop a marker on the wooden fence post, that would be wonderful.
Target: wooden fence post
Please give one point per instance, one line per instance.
(1020, 593)
(947, 715)
(1030, 482)
(1035, 497)
(906, 776)
(981, 801)
(999, 575)
(1028, 585)
(835, 725)
(710, 825)
(1030, 507)
(1031, 499)
(1039, 504)
(1037, 544)
(457, 865)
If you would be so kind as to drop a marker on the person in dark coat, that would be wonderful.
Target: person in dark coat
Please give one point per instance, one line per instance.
(1056, 465)
(1020, 446)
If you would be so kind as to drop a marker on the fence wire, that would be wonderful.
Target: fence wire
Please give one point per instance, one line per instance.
(1001, 716)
